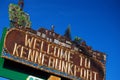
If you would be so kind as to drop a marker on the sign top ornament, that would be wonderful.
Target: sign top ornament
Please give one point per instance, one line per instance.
(17, 17)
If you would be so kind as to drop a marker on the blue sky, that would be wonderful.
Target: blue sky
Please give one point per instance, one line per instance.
(95, 21)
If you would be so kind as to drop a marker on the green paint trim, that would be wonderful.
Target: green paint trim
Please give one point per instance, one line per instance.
(1, 46)
(12, 75)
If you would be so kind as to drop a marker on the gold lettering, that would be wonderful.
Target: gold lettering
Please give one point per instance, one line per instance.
(70, 57)
(89, 75)
(58, 64)
(64, 67)
(23, 52)
(87, 63)
(51, 50)
(42, 47)
(95, 75)
(83, 73)
(70, 66)
(56, 54)
(40, 58)
(45, 62)
(28, 41)
(36, 57)
(15, 51)
(36, 44)
(75, 70)
(31, 55)
(43, 59)
(63, 54)
(81, 60)
(51, 62)
(48, 49)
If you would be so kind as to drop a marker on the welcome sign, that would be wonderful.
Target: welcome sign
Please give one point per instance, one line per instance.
(32, 50)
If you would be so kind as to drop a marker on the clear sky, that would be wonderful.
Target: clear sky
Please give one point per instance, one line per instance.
(95, 21)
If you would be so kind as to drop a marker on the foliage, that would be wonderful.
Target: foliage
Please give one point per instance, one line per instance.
(77, 40)
(16, 15)
(68, 33)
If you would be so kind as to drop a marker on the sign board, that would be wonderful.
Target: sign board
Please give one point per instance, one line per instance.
(32, 50)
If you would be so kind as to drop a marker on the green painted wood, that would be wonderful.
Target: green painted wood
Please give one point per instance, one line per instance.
(12, 75)
(7, 73)
(1, 46)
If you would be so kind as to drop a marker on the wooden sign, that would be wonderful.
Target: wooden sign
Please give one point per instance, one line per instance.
(32, 50)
